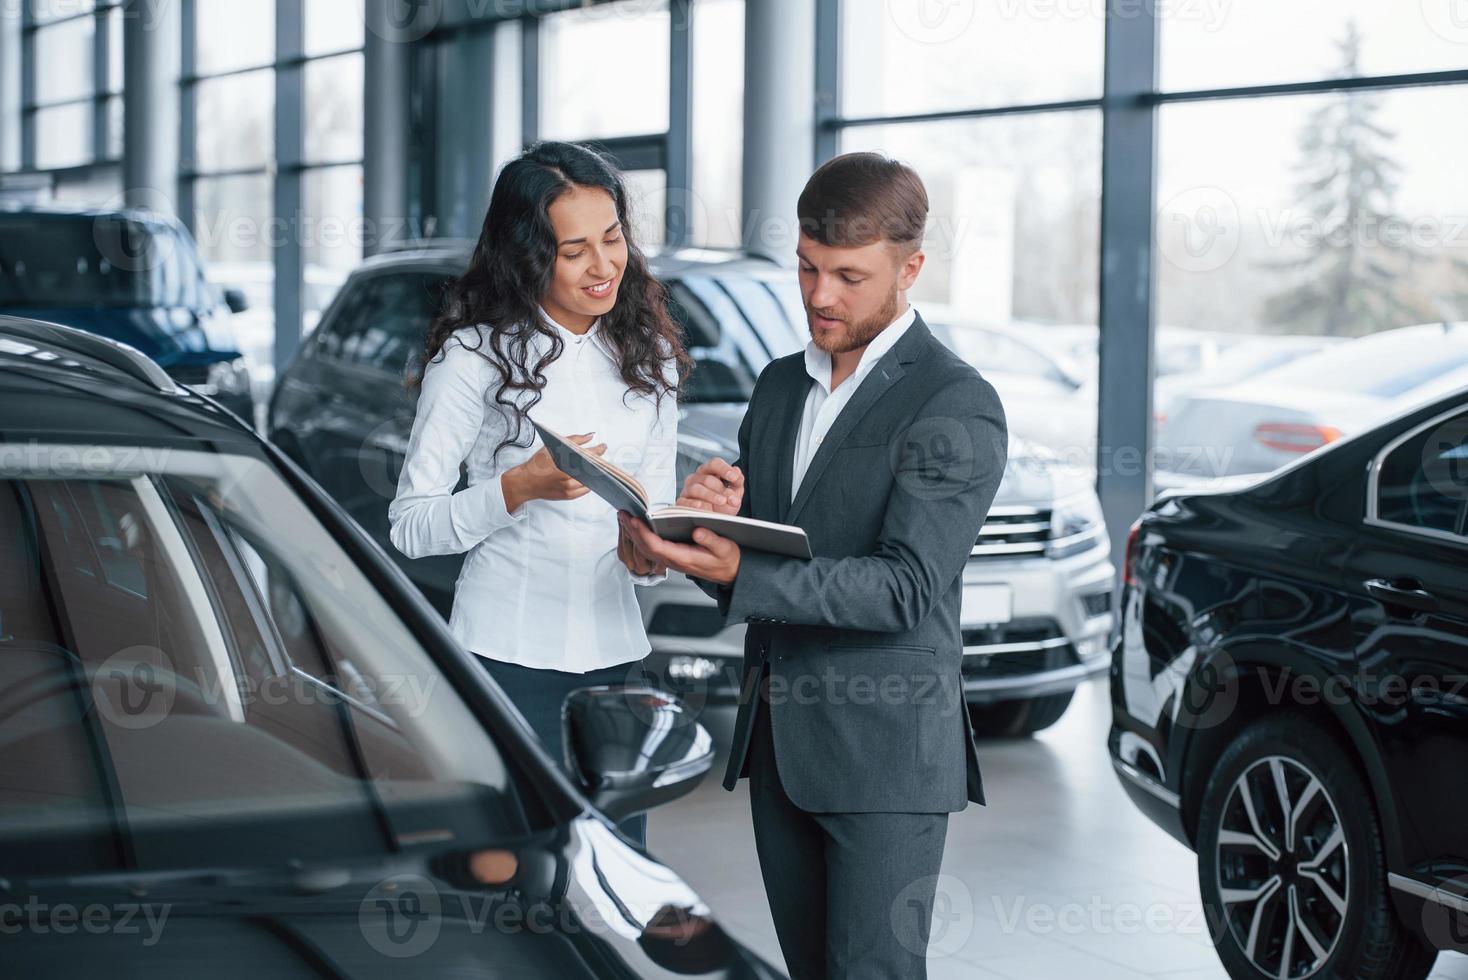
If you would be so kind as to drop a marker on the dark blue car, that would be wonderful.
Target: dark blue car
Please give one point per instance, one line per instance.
(130, 276)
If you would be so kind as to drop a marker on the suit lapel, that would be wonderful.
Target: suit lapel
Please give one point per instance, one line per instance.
(884, 374)
(794, 408)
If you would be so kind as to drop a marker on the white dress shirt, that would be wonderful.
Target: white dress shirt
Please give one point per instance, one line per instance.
(542, 586)
(822, 404)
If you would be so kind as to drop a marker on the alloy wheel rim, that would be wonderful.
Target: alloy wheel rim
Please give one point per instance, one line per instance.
(1283, 871)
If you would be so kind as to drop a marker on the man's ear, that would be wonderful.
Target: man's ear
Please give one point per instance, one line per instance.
(911, 266)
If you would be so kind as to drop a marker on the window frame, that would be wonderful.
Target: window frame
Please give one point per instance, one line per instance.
(288, 166)
(99, 135)
(1131, 96)
(1373, 517)
(347, 299)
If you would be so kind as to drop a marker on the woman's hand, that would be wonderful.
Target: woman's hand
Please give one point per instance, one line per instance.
(538, 478)
(715, 486)
(637, 561)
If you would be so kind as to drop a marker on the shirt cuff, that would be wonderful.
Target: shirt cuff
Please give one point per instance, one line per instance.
(657, 579)
(480, 510)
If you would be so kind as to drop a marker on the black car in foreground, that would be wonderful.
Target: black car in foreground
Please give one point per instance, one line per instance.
(1290, 700)
(235, 741)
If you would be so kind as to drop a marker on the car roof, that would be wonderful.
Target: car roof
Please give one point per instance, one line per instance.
(451, 255)
(70, 212)
(63, 383)
(1377, 352)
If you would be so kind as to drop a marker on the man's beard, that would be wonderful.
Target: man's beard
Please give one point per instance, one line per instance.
(856, 335)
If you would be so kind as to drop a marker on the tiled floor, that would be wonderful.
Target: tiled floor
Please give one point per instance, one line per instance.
(1058, 878)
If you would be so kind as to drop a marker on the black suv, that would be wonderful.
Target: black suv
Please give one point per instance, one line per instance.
(1290, 698)
(235, 741)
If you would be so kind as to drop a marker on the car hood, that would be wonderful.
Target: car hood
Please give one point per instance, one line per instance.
(1034, 477)
(715, 421)
(161, 333)
(1031, 476)
(1328, 406)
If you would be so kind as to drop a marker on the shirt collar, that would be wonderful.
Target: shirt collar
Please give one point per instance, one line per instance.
(571, 335)
(818, 362)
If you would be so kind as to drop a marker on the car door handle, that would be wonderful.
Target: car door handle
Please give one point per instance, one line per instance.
(389, 443)
(1407, 593)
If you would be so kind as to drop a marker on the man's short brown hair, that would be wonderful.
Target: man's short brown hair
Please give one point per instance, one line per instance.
(858, 198)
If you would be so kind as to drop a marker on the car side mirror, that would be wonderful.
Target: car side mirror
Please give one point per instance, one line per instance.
(235, 299)
(634, 748)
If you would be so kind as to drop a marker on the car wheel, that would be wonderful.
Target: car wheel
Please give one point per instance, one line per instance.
(1024, 716)
(1291, 866)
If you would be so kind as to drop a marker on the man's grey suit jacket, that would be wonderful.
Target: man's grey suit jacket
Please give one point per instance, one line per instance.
(863, 640)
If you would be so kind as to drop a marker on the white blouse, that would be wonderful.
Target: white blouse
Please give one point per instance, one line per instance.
(542, 586)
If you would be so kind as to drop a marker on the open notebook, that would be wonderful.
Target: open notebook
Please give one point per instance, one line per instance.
(620, 489)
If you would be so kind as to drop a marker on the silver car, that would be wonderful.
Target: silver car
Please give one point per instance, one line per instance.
(1037, 604)
(1274, 418)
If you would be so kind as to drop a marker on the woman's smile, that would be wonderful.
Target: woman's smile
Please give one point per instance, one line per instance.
(601, 290)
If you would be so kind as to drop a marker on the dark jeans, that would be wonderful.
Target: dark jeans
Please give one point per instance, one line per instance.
(539, 694)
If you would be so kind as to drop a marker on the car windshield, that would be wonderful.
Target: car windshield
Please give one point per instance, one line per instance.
(195, 671)
(734, 326)
(91, 261)
(993, 351)
(1385, 365)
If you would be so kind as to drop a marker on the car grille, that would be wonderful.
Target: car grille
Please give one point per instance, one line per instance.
(1011, 532)
(190, 374)
(1022, 646)
(680, 619)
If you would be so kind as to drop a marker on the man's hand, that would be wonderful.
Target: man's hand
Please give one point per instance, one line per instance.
(715, 486)
(632, 556)
(711, 557)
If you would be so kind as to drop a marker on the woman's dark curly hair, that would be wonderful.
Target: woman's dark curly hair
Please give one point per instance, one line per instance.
(511, 271)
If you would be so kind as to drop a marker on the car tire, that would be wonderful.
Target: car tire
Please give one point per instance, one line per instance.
(1328, 872)
(1022, 716)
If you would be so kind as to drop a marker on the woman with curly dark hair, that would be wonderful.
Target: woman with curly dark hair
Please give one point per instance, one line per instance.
(556, 318)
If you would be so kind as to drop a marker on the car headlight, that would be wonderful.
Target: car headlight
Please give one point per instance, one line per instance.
(227, 378)
(1076, 525)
